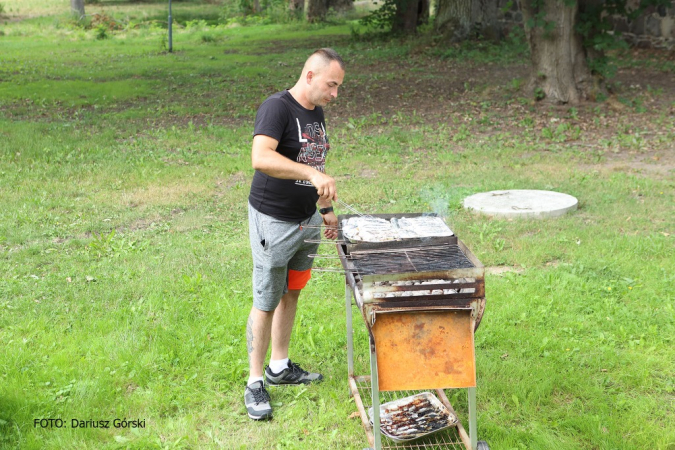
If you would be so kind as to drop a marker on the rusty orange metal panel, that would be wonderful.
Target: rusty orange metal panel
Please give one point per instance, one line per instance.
(424, 350)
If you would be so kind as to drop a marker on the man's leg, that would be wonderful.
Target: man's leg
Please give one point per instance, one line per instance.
(258, 330)
(282, 324)
(281, 370)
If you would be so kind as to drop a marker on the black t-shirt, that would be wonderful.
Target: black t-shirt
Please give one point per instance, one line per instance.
(302, 138)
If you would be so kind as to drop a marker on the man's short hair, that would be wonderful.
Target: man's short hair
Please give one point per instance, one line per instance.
(328, 55)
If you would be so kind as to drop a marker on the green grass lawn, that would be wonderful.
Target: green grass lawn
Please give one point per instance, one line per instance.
(124, 259)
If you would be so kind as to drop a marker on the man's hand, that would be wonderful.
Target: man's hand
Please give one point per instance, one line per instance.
(331, 222)
(325, 186)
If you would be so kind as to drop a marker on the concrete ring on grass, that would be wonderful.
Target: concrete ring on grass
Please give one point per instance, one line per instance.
(519, 203)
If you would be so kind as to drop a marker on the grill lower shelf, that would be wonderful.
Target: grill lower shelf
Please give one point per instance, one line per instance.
(445, 439)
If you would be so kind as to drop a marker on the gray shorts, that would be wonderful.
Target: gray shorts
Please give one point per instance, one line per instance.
(278, 246)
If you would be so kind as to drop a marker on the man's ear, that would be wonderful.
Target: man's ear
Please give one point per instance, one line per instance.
(310, 75)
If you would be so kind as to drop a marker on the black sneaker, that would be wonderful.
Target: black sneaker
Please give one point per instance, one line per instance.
(293, 374)
(257, 401)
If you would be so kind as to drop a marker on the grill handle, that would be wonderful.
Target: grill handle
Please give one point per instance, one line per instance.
(423, 309)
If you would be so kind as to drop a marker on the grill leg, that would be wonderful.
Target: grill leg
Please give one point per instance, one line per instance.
(473, 433)
(375, 391)
(350, 331)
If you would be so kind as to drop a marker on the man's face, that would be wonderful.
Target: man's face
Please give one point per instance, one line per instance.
(323, 85)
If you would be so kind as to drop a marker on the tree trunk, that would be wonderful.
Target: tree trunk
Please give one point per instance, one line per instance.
(484, 19)
(560, 72)
(77, 8)
(593, 10)
(406, 17)
(423, 12)
(294, 5)
(341, 5)
(453, 18)
(315, 10)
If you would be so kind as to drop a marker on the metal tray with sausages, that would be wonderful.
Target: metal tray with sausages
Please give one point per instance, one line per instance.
(413, 417)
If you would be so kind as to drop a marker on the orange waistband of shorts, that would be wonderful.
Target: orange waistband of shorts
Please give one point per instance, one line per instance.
(298, 279)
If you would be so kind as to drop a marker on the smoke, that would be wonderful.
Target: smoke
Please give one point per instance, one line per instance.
(438, 199)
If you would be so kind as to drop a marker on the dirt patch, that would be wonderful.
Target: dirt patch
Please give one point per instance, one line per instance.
(283, 46)
(633, 130)
(175, 162)
(235, 179)
(425, 87)
(654, 162)
(224, 185)
(144, 223)
(368, 173)
(158, 195)
(500, 270)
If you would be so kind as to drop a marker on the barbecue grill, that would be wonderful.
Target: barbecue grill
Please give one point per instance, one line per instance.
(421, 301)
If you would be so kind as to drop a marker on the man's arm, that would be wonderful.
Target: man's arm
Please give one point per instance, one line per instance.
(265, 158)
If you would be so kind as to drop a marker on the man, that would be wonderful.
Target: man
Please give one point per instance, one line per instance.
(289, 151)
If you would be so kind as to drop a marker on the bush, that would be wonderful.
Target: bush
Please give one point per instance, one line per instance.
(104, 21)
(270, 11)
(2, 9)
(510, 49)
(208, 38)
(101, 32)
(381, 18)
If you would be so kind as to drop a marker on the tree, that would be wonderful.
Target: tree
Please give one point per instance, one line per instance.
(402, 16)
(405, 17)
(77, 8)
(408, 15)
(559, 67)
(453, 18)
(484, 14)
(458, 19)
(341, 5)
(568, 40)
(315, 10)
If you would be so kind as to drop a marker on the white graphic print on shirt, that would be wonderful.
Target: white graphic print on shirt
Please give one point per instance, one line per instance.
(314, 148)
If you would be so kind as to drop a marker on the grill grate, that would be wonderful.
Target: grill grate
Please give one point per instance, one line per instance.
(447, 257)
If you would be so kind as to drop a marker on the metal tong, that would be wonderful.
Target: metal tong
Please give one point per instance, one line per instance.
(321, 241)
(348, 207)
(354, 210)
